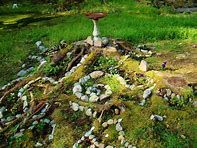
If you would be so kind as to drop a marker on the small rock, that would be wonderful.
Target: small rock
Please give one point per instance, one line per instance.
(22, 73)
(109, 146)
(89, 40)
(81, 108)
(96, 74)
(98, 43)
(110, 121)
(142, 103)
(105, 41)
(91, 137)
(75, 106)
(93, 98)
(143, 66)
(104, 124)
(156, 117)
(108, 92)
(168, 92)
(173, 95)
(118, 127)
(84, 98)
(77, 88)
(121, 138)
(38, 43)
(101, 145)
(117, 111)
(78, 95)
(103, 96)
(126, 144)
(35, 123)
(38, 144)
(147, 93)
(195, 103)
(46, 121)
(89, 112)
(121, 133)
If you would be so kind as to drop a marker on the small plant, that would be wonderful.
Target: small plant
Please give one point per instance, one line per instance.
(51, 70)
(107, 64)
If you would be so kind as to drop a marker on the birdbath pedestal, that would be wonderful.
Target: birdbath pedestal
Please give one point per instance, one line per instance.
(95, 18)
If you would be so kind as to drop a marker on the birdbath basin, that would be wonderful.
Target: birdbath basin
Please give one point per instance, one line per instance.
(95, 18)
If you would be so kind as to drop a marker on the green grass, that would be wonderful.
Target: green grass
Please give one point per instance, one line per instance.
(126, 20)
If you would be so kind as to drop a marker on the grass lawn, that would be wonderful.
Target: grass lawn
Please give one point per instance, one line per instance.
(132, 21)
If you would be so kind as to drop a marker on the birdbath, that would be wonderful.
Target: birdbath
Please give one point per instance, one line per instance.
(95, 17)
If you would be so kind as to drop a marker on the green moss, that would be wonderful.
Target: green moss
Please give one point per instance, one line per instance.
(112, 135)
(113, 83)
(63, 136)
(130, 65)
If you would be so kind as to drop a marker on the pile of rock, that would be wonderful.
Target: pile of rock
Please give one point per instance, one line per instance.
(88, 111)
(92, 93)
(119, 129)
(88, 136)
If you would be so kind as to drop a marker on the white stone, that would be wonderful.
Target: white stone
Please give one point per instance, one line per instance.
(96, 74)
(89, 40)
(143, 66)
(75, 106)
(118, 127)
(108, 92)
(104, 124)
(81, 108)
(89, 112)
(156, 117)
(94, 98)
(91, 137)
(103, 96)
(142, 103)
(168, 92)
(147, 93)
(98, 43)
(84, 98)
(38, 144)
(78, 95)
(77, 88)
(109, 146)
(110, 121)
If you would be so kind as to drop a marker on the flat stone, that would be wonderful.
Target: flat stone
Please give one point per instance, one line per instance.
(110, 121)
(117, 111)
(22, 73)
(118, 127)
(98, 43)
(78, 94)
(89, 40)
(104, 124)
(93, 98)
(96, 74)
(84, 98)
(81, 108)
(89, 112)
(77, 88)
(195, 103)
(147, 93)
(143, 66)
(168, 92)
(75, 106)
(108, 92)
(156, 117)
(91, 137)
(103, 96)
(105, 41)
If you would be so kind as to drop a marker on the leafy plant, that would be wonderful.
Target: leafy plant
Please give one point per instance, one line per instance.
(107, 64)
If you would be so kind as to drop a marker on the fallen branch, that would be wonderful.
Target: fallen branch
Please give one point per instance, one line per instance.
(75, 59)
